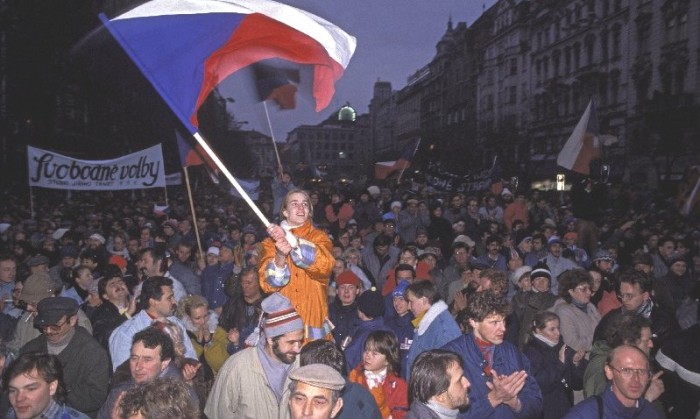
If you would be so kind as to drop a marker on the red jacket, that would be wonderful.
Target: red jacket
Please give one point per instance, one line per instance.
(515, 211)
(391, 397)
(344, 215)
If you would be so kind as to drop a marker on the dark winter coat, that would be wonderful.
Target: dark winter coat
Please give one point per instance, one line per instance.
(85, 370)
(507, 359)
(555, 379)
(344, 318)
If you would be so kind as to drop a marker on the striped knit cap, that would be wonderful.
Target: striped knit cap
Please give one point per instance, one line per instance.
(280, 316)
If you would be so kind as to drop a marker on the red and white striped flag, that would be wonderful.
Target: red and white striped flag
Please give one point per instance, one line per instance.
(583, 145)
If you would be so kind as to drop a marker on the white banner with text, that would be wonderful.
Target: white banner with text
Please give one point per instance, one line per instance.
(141, 170)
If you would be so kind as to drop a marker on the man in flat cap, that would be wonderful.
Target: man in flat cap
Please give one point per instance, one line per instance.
(85, 363)
(252, 382)
(315, 392)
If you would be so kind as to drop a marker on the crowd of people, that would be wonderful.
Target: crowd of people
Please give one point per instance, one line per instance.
(370, 303)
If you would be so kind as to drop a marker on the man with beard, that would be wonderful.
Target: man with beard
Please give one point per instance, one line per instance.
(437, 386)
(252, 382)
(157, 303)
(627, 369)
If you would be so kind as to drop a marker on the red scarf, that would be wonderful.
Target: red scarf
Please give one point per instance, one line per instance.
(486, 349)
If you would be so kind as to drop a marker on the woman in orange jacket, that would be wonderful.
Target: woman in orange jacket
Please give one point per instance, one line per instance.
(297, 262)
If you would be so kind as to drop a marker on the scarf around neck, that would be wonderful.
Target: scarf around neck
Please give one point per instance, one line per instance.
(442, 411)
(579, 305)
(543, 339)
(645, 309)
(375, 379)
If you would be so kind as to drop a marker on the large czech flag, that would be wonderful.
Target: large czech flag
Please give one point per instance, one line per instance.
(187, 47)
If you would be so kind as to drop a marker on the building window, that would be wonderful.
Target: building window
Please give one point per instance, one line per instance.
(577, 56)
(682, 26)
(590, 49)
(616, 42)
(513, 66)
(512, 95)
(603, 91)
(614, 87)
(575, 97)
(567, 60)
(643, 32)
(604, 46)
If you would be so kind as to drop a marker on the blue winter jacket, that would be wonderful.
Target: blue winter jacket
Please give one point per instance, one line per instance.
(613, 409)
(507, 359)
(436, 328)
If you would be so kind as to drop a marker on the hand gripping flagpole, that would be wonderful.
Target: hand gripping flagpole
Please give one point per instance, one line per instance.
(231, 179)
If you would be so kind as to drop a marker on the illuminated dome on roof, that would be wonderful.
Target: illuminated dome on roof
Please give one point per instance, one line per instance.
(347, 114)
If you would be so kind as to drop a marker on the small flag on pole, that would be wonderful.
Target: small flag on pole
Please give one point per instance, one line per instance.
(583, 146)
(160, 210)
(276, 83)
(384, 169)
(196, 157)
